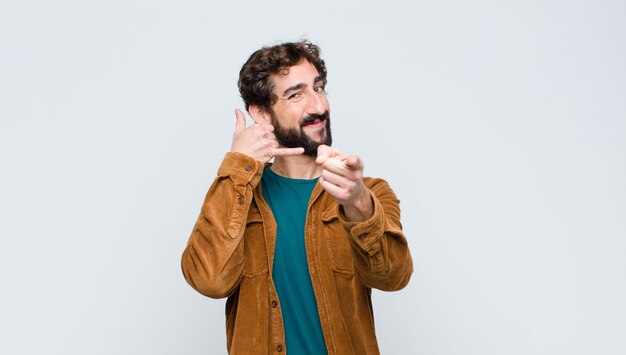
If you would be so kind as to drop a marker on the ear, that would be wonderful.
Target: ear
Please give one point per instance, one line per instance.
(259, 114)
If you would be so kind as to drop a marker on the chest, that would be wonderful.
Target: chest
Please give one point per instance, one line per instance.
(326, 241)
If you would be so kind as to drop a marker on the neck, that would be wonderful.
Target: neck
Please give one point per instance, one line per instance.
(297, 167)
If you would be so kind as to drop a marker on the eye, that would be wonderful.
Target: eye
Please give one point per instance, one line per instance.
(295, 96)
(319, 89)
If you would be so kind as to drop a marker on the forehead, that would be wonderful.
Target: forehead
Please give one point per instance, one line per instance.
(301, 73)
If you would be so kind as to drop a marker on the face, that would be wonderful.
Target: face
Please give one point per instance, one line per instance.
(301, 115)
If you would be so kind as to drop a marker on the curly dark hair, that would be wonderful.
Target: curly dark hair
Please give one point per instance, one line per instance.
(255, 85)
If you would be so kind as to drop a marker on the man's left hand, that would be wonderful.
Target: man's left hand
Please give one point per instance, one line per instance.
(342, 178)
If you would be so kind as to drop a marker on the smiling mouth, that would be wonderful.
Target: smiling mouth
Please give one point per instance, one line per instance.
(313, 120)
(313, 123)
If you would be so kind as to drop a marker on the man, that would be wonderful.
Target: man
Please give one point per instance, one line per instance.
(296, 245)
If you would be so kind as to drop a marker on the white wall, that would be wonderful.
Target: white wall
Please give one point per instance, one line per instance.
(501, 126)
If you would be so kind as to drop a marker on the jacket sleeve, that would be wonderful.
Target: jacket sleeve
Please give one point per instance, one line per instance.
(213, 260)
(381, 254)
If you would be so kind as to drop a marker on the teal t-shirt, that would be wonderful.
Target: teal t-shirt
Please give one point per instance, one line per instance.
(288, 200)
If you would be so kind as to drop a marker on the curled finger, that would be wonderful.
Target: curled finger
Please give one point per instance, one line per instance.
(337, 166)
(336, 179)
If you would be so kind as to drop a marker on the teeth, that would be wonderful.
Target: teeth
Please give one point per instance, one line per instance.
(312, 122)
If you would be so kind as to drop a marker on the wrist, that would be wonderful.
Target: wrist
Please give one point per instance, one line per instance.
(361, 208)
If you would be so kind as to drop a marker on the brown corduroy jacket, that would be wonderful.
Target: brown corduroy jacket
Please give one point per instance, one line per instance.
(231, 250)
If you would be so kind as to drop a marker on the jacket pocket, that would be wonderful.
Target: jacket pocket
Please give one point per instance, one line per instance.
(254, 247)
(339, 248)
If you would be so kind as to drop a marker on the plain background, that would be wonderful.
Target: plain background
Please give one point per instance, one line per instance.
(500, 125)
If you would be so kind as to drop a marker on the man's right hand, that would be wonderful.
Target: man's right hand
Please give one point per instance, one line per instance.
(258, 140)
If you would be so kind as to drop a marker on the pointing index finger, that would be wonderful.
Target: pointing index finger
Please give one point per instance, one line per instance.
(353, 162)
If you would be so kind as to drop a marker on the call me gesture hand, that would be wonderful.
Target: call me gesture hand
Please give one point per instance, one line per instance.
(342, 178)
(258, 140)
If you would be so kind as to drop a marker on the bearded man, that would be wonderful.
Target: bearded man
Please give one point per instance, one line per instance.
(298, 243)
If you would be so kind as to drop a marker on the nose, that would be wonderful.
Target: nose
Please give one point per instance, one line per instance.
(317, 104)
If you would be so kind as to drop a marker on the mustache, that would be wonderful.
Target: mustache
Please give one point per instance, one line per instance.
(310, 119)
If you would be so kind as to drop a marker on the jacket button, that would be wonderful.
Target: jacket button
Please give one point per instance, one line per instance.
(240, 199)
(274, 304)
(279, 348)
(362, 235)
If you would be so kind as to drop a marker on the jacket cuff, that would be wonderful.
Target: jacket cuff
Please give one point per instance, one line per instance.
(242, 169)
(366, 234)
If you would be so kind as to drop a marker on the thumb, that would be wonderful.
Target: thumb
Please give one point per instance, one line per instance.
(324, 152)
(240, 123)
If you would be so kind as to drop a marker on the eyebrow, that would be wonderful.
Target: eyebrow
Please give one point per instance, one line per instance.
(293, 88)
(301, 85)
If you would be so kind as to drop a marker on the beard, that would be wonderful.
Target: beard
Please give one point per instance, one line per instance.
(295, 138)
